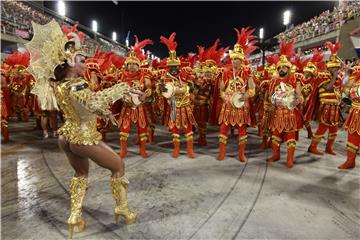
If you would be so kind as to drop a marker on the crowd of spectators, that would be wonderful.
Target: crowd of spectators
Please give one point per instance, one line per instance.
(16, 20)
(326, 22)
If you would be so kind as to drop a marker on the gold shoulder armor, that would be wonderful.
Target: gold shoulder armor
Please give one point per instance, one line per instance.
(97, 102)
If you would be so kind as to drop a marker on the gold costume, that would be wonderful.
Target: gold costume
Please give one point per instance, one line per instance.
(81, 106)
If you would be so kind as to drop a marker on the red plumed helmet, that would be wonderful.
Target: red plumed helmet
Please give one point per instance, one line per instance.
(171, 45)
(245, 43)
(334, 60)
(136, 55)
(287, 50)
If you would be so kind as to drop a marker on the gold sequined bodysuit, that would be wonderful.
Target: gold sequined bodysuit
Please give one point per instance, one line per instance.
(81, 106)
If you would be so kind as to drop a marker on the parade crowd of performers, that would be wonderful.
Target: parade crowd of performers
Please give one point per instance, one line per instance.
(206, 89)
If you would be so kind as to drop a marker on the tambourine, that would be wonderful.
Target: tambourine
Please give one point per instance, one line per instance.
(170, 90)
(284, 99)
(236, 100)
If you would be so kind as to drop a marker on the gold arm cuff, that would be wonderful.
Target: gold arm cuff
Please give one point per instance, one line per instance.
(251, 92)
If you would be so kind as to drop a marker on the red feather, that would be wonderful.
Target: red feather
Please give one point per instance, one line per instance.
(170, 43)
(299, 63)
(287, 48)
(334, 48)
(140, 45)
(246, 40)
(19, 58)
(272, 59)
(201, 55)
(317, 56)
(117, 60)
(73, 29)
(155, 63)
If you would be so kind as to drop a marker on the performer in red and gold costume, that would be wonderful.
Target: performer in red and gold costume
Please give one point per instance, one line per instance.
(208, 75)
(264, 102)
(236, 87)
(150, 103)
(352, 124)
(5, 102)
(176, 85)
(135, 113)
(327, 107)
(97, 82)
(19, 80)
(311, 69)
(285, 93)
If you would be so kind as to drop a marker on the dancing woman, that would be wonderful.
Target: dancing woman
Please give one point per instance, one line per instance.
(59, 56)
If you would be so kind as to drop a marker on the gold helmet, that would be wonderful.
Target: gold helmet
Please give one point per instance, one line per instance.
(334, 60)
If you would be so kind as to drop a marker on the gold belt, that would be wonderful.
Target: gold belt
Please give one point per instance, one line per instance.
(330, 101)
(355, 105)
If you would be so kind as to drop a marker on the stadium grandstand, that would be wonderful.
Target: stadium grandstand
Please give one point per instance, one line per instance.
(16, 30)
(331, 25)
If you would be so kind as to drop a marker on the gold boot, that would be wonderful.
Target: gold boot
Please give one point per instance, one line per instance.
(120, 193)
(78, 186)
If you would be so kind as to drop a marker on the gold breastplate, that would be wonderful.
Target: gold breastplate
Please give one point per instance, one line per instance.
(235, 85)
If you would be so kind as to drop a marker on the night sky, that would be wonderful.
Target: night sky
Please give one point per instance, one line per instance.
(196, 23)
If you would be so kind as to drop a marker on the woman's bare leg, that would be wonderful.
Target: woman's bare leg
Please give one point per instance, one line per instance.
(44, 125)
(80, 164)
(53, 121)
(102, 155)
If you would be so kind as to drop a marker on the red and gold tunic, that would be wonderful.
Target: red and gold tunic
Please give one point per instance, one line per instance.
(235, 82)
(284, 119)
(329, 100)
(130, 114)
(264, 106)
(20, 89)
(4, 111)
(6, 97)
(352, 122)
(309, 88)
(203, 91)
(183, 103)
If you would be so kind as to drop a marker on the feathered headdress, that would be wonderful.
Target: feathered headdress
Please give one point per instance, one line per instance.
(172, 60)
(287, 50)
(334, 61)
(73, 34)
(136, 55)
(271, 60)
(210, 58)
(316, 63)
(299, 63)
(245, 43)
(92, 64)
(18, 60)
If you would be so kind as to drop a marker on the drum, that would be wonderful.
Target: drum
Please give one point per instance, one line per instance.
(236, 100)
(284, 99)
(170, 90)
